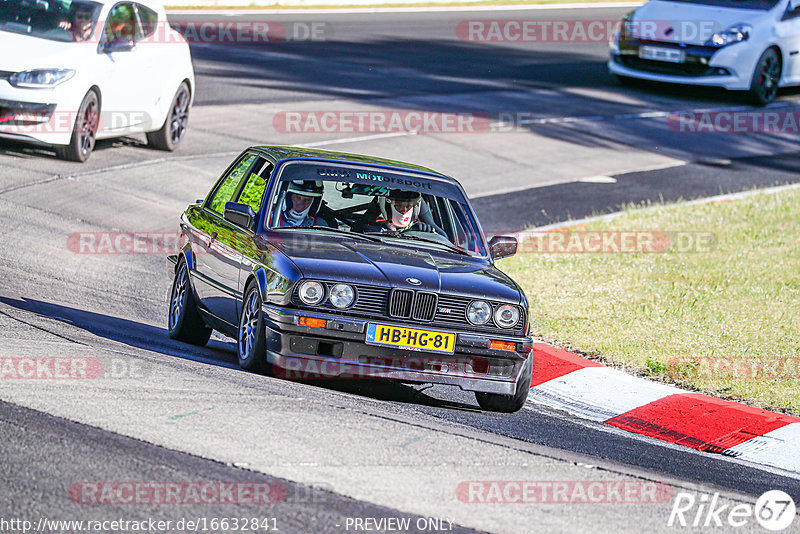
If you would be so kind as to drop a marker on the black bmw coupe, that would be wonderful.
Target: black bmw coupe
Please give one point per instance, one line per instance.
(329, 264)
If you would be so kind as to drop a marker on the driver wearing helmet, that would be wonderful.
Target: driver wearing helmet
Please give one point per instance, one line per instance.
(302, 204)
(402, 210)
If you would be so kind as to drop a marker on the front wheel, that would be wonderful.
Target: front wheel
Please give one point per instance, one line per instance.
(494, 402)
(185, 323)
(767, 75)
(84, 130)
(171, 133)
(251, 340)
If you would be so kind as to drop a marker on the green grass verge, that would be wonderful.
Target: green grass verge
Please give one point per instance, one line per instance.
(724, 321)
(345, 5)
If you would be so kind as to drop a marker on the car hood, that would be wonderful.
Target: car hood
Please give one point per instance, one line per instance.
(36, 53)
(364, 262)
(689, 23)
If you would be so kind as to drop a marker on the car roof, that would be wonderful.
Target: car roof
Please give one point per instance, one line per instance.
(156, 5)
(289, 152)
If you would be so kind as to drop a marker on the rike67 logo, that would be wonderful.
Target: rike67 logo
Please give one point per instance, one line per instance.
(775, 510)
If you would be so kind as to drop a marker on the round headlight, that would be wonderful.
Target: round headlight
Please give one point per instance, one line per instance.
(479, 312)
(311, 293)
(506, 316)
(342, 295)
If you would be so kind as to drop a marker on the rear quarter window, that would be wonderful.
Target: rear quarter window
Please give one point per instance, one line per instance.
(227, 189)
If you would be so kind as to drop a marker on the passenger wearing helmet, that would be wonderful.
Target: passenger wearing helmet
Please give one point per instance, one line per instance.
(402, 210)
(301, 205)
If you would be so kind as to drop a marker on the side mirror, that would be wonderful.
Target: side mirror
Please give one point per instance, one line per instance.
(118, 45)
(502, 246)
(239, 214)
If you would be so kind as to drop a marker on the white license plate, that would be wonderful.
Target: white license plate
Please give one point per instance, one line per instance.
(656, 53)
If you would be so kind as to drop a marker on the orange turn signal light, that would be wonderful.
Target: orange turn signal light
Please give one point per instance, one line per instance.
(503, 345)
(312, 322)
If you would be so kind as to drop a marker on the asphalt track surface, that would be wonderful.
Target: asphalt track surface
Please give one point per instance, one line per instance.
(343, 449)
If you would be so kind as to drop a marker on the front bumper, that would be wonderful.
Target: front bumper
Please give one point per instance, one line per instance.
(339, 350)
(42, 116)
(729, 67)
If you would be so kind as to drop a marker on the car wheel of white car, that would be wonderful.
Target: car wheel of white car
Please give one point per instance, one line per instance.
(766, 76)
(169, 136)
(84, 131)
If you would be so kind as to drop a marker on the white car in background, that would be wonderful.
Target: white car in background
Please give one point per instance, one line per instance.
(73, 71)
(749, 45)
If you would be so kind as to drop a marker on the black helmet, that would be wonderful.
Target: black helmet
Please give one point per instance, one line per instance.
(400, 195)
(404, 195)
(309, 188)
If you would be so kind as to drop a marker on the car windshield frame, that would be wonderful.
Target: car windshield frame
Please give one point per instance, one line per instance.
(753, 5)
(52, 20)
(335, 172)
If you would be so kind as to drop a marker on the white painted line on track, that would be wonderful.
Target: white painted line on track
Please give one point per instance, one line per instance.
(600, 179)
(594, 179)
(155, 161)
(356, 139)
(656, 114)
(410, 9)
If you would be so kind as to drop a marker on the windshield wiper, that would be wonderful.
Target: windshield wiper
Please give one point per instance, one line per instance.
(335, 230)
(401, 235)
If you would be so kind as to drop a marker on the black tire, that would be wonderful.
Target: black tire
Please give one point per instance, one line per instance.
(84, 131)
(766, 76)
(185, 323)
(251, 345)
(494, 402)
(172, 132)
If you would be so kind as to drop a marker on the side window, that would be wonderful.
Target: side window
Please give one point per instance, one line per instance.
(148, 19)
(464, 236)
(253, 192)
(121, 24)
(230, 184)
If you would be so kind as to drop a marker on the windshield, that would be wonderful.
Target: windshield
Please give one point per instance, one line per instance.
(763, 5)
(50, 19)
(388, 206)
